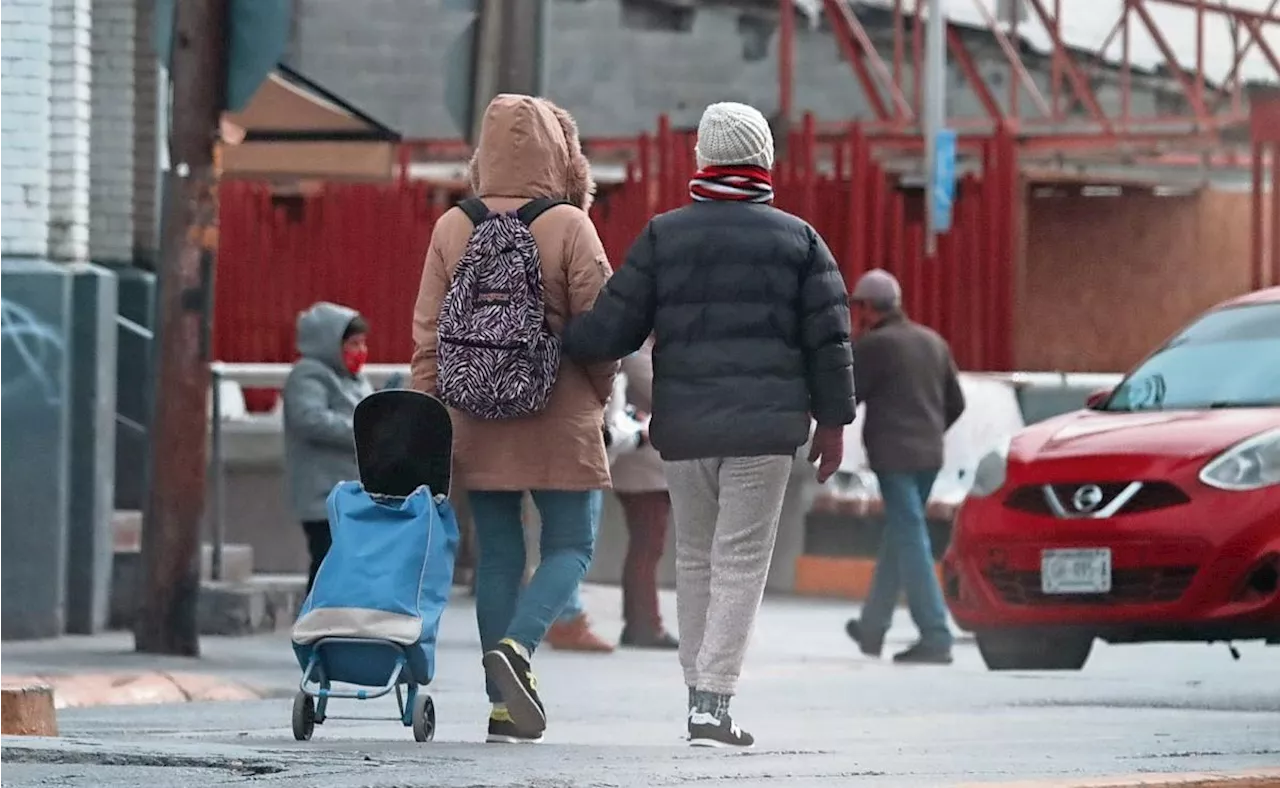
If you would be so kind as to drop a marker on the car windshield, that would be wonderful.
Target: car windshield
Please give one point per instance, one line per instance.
(1229, 358)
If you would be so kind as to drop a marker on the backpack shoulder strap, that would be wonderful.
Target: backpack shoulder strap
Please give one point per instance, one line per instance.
(530, 211)
(475, 209)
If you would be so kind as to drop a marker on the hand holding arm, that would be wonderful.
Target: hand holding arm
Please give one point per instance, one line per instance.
(622, 316)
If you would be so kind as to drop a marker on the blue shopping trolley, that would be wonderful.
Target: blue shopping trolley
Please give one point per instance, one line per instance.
(373, 614)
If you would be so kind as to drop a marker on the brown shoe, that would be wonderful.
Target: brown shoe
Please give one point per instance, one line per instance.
(576, 635)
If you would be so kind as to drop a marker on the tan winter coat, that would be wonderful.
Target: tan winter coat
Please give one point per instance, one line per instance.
(528, 148)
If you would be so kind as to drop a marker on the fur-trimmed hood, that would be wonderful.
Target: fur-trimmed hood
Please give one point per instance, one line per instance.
(530, 148)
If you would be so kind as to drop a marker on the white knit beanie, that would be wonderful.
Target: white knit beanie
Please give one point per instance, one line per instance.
(732, 133)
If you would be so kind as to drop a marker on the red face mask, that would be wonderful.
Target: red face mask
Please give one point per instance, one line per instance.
(355, 359)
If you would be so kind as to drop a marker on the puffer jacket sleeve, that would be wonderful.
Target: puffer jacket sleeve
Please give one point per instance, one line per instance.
(622, 317)
(426, 313)
(824, 335)
(307, 411)
(588, 271)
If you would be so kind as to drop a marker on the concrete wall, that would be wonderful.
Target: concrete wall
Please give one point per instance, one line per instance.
(1107, 278)
(617, 64)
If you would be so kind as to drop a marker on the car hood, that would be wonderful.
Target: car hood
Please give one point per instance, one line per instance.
(1178, 433)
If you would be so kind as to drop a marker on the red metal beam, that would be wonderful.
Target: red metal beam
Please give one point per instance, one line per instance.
(1193, 94)
(1255, 30)
(1015, 62)
(1255, 218)
(899, 43)
(1230, 10)
(1232, 78)
(1115, 30)
(857, 45)
(1126, 73)
(971, 74)
(1078, 81)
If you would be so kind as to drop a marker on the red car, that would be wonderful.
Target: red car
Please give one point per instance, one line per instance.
(1153, 515)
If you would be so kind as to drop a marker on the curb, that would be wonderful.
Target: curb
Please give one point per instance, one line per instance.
(84, 690)
(27, 709)
(1259, 778)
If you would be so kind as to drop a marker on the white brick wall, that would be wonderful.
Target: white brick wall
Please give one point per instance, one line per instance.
(70, 112)
(24, 115)
(112, 133)
(145, 80)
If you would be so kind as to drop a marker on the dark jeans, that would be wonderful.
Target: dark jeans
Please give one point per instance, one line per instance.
(648, 515)
(905, 562)
(503, 608)
(318, 543)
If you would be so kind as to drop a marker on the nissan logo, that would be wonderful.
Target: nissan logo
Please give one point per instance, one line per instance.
(1087, 498)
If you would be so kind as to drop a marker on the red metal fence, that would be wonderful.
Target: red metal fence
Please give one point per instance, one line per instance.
(363, 245)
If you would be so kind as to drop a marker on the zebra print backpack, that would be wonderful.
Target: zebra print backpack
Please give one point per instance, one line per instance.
(497, 358)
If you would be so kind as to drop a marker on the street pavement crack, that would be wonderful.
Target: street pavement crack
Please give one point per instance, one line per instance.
(243, 767)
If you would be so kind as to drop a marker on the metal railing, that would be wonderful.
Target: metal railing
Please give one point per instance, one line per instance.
(272, 376)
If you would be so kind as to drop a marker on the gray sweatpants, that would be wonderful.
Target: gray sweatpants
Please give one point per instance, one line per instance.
(726, 514)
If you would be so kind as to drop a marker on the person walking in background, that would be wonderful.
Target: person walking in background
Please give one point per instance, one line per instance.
(751, 337)
(528, 151)
(905, 374)
(320, 397)
(641, 487)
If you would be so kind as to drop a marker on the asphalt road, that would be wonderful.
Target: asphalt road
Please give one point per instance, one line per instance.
(823, 715)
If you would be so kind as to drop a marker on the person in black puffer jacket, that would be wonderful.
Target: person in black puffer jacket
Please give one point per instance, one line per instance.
(751, 325)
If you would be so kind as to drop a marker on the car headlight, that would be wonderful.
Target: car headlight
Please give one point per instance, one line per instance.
(991, 471)
(1249, 465)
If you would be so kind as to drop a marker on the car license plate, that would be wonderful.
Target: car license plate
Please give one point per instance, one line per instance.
(1075, 571)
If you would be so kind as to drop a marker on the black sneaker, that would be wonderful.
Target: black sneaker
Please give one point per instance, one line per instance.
(519, 688)
(871, 648)
(921, 654)
(706, 730)
(503, 731)
(661, 640)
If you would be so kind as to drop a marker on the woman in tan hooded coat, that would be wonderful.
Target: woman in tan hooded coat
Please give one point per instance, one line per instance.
(528, 149)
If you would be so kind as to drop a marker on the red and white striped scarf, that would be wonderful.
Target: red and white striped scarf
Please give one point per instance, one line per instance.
(735, 183)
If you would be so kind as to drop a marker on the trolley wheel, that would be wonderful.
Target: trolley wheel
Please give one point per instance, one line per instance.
(424, 717)
(304, 716)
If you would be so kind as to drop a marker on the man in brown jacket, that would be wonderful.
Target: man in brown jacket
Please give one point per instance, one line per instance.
(528, 149)
(904, 372)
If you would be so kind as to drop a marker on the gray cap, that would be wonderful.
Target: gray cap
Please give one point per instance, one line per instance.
(879, 288)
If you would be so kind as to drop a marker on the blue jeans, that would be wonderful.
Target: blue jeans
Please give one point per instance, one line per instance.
(503, 610)
(906, 562)
(573, 608)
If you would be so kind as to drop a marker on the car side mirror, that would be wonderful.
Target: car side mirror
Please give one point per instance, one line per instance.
(1097, 398)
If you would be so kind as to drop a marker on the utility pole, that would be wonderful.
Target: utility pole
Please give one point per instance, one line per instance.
(507, 53)
(166, 621)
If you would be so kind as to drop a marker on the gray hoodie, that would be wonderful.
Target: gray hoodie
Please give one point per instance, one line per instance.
(320, 397)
